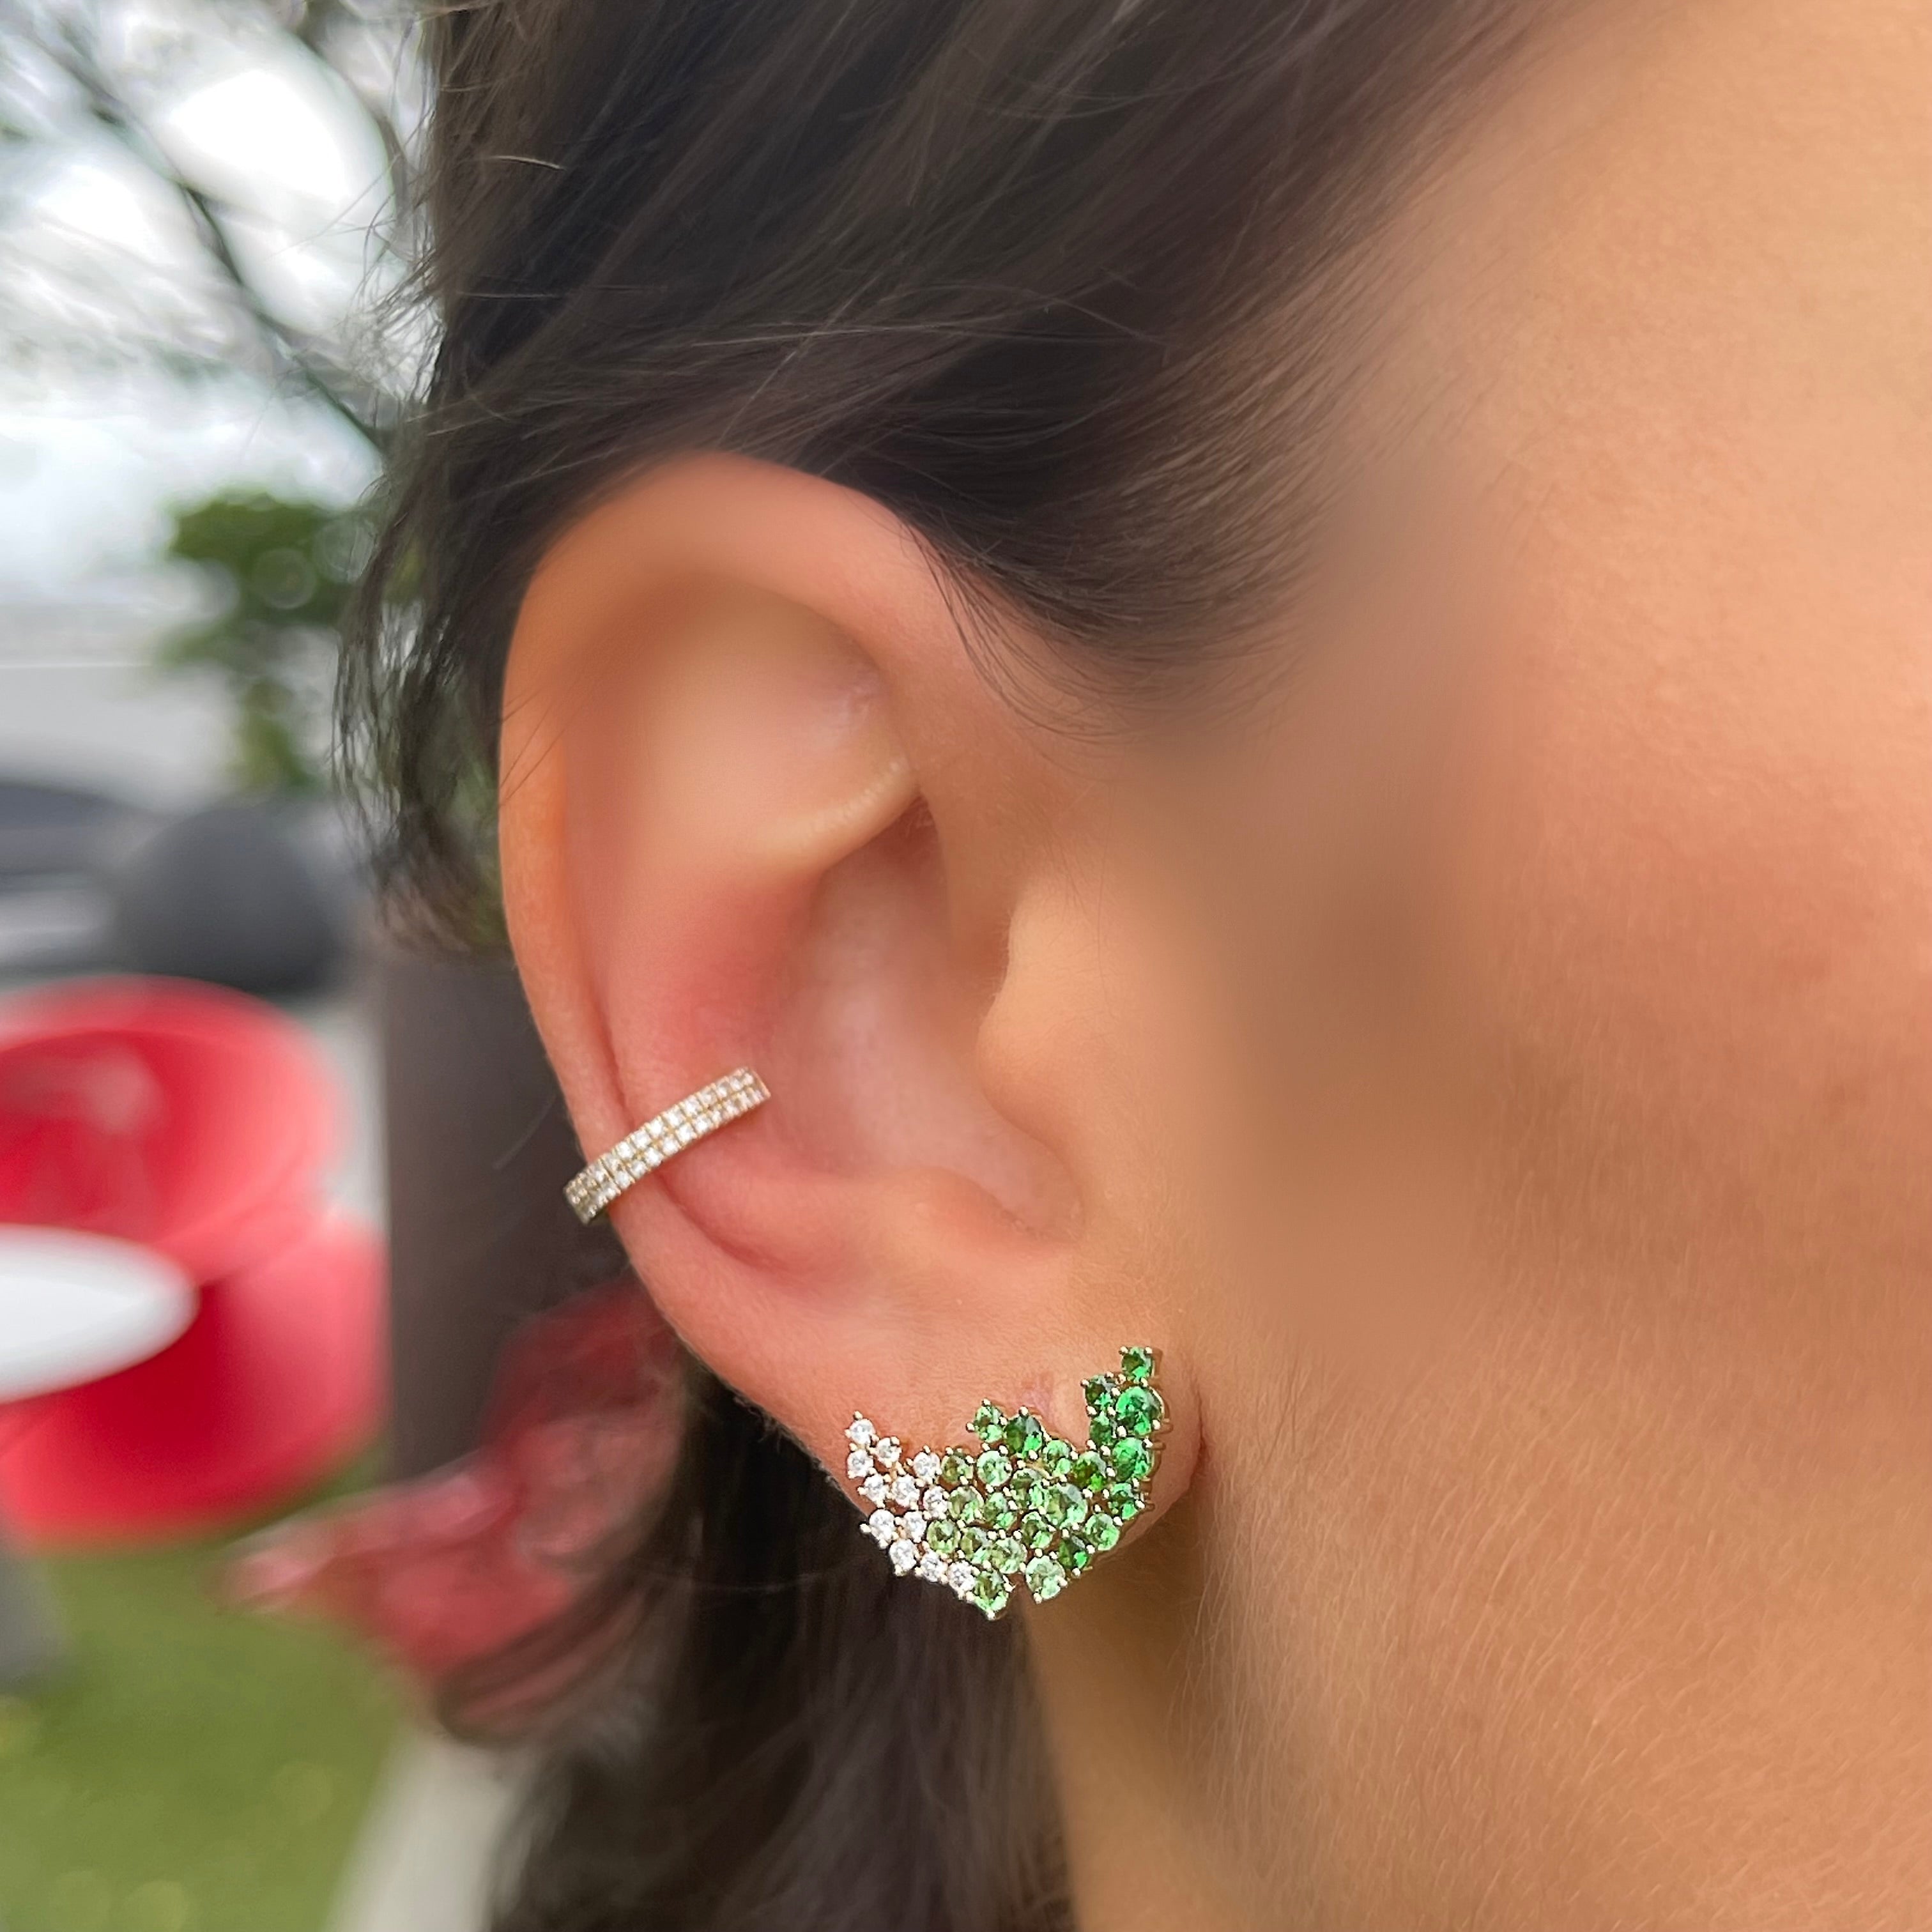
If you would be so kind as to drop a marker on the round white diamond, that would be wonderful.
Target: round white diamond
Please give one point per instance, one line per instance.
(874, 1488)
(887, 1451)
(960, 1577)
(935, 1503)
(932, 1567)
(858, 1464)
(905, 1492)
(925, 1466)
(912, 1525)
(861, 1434)
(882, 1526)
(905, 1555)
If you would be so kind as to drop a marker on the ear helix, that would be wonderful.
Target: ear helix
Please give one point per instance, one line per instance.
(1028, 1507)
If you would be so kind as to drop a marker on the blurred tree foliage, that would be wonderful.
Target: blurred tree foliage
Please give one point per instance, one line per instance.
(216, 265)
(225, 263)
(281, 573)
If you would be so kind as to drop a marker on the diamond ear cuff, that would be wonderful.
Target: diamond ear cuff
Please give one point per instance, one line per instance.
(661, 1139)
(1027, 1506)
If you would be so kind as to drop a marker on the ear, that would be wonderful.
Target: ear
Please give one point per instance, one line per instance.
(759, 807)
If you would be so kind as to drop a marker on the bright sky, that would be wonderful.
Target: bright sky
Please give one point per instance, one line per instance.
(88, 465)
(84, 481)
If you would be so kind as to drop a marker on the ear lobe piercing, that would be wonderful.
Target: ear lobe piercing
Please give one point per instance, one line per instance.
(1027, 1506)
(662, 1138)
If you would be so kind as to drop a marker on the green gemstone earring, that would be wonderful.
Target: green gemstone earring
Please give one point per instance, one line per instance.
(1026, 1506)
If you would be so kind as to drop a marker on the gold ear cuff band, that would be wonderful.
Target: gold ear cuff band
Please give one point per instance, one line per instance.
(658, 1139)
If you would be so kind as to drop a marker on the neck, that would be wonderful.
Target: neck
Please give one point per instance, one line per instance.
(1112, 1665)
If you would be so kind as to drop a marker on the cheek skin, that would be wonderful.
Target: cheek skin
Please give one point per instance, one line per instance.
(1712, 682)
(1611, 1606)
(1712, 934)
(1705, 964)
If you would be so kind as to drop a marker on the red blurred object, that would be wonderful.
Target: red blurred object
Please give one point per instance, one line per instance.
(198, 1122)
(195, 1120)
(277, 1379)
(581, 1433)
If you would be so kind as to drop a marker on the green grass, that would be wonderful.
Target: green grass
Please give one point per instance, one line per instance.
(194, 1768)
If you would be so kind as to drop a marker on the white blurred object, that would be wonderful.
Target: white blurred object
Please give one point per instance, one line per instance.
(427, 1854)
(75, 1307)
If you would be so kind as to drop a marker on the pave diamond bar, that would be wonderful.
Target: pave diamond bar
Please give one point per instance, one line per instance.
(660, 1139)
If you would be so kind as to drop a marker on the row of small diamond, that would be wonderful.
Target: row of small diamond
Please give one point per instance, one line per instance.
(669, 1133)
(877, 1465)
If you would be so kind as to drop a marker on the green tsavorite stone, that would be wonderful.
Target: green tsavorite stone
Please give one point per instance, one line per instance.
(1138, 1411)
(1065, 1506)
(1035, 1532)
(1029, 1504)
(1044, 1578)
(991, 1591)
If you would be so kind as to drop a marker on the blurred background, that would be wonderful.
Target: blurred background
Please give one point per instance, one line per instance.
(274, 1192)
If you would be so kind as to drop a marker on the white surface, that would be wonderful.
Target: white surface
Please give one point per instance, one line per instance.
(342, 1027)
(425, 1858)
(73, 1307)
(83, 702)
(116, 724)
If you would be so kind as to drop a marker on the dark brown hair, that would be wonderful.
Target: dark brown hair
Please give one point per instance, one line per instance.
(1070, 286)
